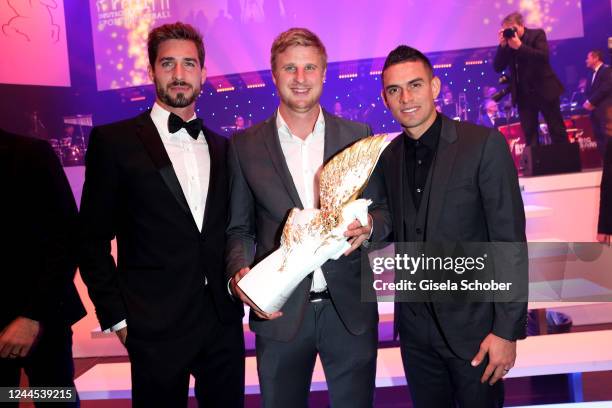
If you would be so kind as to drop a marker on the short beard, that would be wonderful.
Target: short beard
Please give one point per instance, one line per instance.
(180, 101)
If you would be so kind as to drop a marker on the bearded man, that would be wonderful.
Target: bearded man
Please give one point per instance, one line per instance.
(158, 184)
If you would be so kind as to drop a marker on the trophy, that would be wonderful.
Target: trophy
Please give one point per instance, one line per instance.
(311, 237)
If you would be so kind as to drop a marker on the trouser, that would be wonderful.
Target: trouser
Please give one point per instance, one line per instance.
(349, 362)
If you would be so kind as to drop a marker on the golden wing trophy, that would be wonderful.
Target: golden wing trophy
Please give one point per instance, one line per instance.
(311, 237)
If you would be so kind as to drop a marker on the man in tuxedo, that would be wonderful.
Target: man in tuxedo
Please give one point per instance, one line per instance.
(535, 87)
(450, 181)
(38, 300)
(274, 167)
(158, 184)
(599, 96)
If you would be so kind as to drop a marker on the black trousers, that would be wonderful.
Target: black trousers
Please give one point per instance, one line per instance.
(349, 362)
(49, 363)
(436, 377)
(213, 353)
(528, 110)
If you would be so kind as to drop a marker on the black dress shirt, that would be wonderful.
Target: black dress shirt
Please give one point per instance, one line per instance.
(419, 156)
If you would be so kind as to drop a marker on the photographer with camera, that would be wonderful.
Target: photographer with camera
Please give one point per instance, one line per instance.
(534, 86)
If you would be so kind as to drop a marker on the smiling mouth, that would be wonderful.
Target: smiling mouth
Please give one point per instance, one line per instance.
(300, 90)
(410, 110)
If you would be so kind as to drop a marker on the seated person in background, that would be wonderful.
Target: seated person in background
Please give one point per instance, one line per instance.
(449, 106)
(489, 114)
(579, 95)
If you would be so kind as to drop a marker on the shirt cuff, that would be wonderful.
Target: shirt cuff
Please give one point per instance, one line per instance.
(229, 289)
(116, 327)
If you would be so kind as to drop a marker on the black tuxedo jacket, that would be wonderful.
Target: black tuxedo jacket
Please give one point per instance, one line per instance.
(38, 244)
(599, 93)
(474, 197)
(263, 193)
(605, 203)
(530, 68)
(131, 192)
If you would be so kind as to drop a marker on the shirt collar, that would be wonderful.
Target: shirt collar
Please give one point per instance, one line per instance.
(283, 128)
(598, 66)
(430, 137)
(160, 116)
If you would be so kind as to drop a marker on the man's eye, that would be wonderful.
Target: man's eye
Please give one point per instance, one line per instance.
(391, 91)
(417, 85)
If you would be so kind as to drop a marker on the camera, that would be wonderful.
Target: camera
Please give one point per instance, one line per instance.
(509, 32)
(504, 79)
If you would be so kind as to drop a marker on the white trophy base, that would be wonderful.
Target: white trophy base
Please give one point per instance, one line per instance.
(268, 284)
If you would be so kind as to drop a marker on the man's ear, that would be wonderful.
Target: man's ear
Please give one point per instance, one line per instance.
(384, 98)
(436, 85)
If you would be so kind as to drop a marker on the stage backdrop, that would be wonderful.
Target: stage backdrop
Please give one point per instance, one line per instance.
(238, 33)
(33, 43)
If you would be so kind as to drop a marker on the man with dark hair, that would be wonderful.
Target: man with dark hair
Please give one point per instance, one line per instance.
(599, 96)
(38, 300)
(535, 87)
(158, 184)
(273, 168)
(450, 181)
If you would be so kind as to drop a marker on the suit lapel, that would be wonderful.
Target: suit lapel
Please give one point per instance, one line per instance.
(332, 140)
(272, 142)
(215, 163)
(155, 148)
(443, 166)
(394, 167)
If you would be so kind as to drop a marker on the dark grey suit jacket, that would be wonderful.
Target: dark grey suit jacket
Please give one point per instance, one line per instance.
(599, 93)
(262, 193)
(474, 197)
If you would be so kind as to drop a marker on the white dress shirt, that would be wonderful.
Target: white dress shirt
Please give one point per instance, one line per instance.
(190, 159)
(305, 160)
(595, 72)
(191, 162)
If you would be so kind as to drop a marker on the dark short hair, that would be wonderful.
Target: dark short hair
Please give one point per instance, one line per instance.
(175, 31)
(598, 53)
(296, 36)
(405, 53)
(514, 18)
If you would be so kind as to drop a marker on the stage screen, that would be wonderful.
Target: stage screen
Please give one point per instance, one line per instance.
(238, 33)
(33, 43)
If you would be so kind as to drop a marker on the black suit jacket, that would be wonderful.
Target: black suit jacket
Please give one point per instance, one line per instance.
(38, 244)
(262, 194)
(605, 204)
(530, 68)
(131, 192)
(474, 197)
(599, 93)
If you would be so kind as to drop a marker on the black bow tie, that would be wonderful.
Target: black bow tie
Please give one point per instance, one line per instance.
(193, 127)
